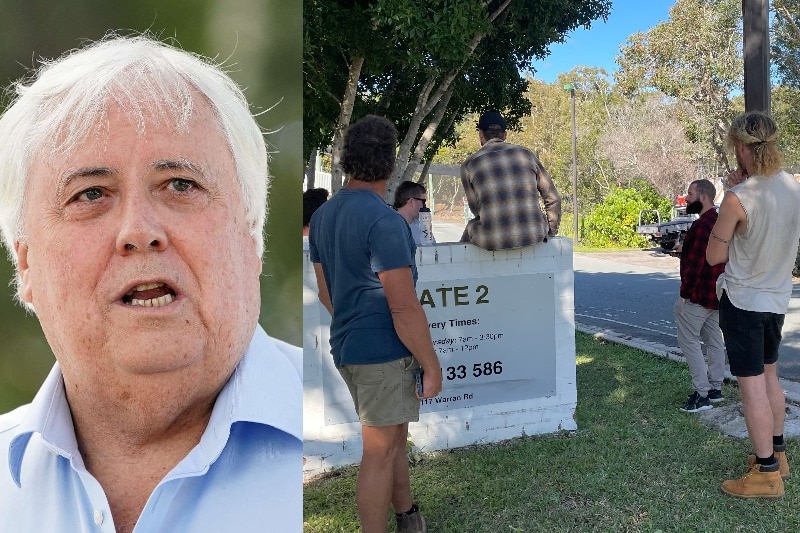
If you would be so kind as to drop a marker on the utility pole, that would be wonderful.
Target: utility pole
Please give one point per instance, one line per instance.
(571, 88)
(756, 55)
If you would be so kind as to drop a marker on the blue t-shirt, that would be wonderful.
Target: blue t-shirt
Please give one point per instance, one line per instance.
(355, 235)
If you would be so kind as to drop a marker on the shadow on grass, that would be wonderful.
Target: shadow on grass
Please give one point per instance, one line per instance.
(636, 463)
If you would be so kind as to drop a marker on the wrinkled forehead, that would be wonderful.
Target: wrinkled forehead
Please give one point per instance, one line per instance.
(126, 128)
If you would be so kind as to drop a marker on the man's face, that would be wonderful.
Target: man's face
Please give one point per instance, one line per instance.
(694, 203)
(137, 256)
(417, 203)
(739, 153)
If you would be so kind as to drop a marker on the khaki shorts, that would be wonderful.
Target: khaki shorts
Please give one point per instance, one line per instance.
(384, 393)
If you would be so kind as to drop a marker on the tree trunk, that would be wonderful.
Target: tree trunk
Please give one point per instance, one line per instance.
(427, 102)
(427, 135)
(345, 115)
(311, 170)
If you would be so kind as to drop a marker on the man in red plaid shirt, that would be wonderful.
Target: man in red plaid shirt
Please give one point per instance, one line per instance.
(697, 307)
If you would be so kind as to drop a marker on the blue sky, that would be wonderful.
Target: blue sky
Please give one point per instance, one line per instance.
(599, 45)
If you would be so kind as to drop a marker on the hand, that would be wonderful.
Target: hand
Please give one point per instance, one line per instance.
(736, 177)
(431, 385)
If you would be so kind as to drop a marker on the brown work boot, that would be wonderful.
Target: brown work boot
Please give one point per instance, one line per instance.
(783, 464)
(411, 522)
(759, 481)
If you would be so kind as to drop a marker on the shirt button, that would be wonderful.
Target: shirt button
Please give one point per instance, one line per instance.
(98, 517)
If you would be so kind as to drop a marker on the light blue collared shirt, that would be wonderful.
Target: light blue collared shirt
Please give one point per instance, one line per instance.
(245, 474)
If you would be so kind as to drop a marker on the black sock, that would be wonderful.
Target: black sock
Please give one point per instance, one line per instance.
(766, 460)
(414, 509)
(777, 440)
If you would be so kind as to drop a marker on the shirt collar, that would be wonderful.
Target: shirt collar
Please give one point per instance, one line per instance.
(266, 388)
(709, 213)
(49, 415)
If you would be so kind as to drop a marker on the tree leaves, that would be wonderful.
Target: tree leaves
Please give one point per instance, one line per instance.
(786, 40)
(694, 57)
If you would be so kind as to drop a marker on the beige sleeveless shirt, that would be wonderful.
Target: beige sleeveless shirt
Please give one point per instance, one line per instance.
(758, 276)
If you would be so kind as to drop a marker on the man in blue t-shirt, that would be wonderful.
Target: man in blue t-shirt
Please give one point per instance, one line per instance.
(363, 256)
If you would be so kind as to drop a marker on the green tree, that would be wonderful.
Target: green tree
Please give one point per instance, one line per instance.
(694, 57)
(646, 140)
(596, 97)
(786, 40)
(434, 57)
(786, 112)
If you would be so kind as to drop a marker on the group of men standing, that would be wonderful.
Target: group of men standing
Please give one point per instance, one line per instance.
(363, 255)
(736, 282)
(735, 289)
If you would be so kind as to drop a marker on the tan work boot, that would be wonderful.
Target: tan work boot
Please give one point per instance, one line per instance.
(756, 483)
(783, 464)
(411, 522)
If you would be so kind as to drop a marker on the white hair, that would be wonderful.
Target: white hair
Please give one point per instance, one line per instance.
(147, 78)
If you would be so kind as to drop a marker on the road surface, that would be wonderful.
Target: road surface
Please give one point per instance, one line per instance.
(632, 293)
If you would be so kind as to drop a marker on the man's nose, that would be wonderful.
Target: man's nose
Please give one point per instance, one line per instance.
(141, 227)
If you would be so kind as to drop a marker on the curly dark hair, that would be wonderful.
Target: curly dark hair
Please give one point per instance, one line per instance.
(369, 149)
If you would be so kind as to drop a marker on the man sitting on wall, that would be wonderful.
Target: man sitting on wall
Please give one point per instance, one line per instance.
(503, 183)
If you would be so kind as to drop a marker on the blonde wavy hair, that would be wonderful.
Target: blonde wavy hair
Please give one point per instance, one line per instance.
(759, 133)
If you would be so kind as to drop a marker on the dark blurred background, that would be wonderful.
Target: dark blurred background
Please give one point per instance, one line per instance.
(260, 42)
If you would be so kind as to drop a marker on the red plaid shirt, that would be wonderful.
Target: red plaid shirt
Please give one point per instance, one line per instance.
(698, 278)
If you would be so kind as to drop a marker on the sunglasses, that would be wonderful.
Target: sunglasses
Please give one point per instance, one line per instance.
(423, 200)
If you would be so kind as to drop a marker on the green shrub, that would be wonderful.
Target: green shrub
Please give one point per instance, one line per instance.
(613, 222)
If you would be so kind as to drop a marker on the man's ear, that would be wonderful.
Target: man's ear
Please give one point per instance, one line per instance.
(24, 270)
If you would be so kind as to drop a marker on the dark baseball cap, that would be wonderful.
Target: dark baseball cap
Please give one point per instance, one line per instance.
(491, 118)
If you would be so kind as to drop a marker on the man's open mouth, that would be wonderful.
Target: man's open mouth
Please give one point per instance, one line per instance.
(149, 295)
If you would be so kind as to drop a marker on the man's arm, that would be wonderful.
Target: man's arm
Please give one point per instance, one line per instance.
(731, 218)
(322, 288)
(411, 325)
(551, 199)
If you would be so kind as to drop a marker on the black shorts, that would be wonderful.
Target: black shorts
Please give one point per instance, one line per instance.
(752, 338)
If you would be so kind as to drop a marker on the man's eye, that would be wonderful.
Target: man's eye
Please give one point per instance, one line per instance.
(90, 195)
(181, 185)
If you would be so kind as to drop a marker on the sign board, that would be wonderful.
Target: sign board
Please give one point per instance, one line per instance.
(494, 338)
(504, 327)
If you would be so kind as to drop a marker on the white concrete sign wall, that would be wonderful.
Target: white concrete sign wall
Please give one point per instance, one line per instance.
(503, 326)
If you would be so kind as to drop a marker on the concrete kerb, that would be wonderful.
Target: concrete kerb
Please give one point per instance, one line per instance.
(728, 418)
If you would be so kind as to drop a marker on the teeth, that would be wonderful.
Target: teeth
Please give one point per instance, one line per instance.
(154, 302)
(146, 287)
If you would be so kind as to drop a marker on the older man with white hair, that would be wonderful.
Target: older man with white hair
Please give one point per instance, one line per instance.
(133, 184)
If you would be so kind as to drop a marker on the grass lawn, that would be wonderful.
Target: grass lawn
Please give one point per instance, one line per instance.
(636, 463)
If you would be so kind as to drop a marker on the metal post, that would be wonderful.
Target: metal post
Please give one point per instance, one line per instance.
(571, 88)
(755, 31)
(431, 202)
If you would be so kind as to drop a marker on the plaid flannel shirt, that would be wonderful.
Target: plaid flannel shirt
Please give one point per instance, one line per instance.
(503, 183)
(698, 278)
